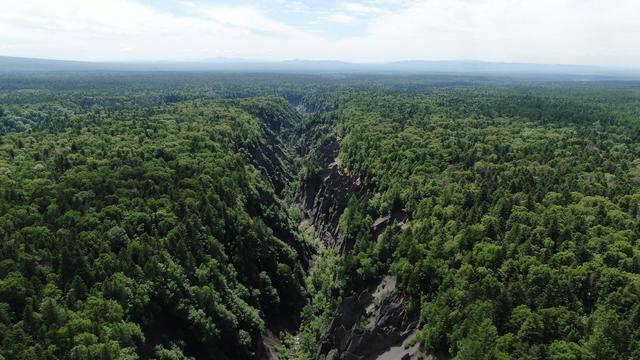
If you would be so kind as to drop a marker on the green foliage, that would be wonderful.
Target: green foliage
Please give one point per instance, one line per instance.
(523, 235)
(325, 290)
(142, 228)
(141, 215)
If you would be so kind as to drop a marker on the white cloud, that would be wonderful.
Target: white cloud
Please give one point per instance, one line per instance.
(339, 18)
(99, 30)
(248, 17)
(389, 2)
(359, 8)
(547, 31)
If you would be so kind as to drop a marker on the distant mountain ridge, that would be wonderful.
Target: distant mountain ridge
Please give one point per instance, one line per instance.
(19, 64)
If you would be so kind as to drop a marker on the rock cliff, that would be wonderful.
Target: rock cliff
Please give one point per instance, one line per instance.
(373, 324)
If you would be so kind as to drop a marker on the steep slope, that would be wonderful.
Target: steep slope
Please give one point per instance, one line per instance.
(467, 222)
(524, 225)
(522, 238)
(370, 319)
(152, 233)
(325, 194)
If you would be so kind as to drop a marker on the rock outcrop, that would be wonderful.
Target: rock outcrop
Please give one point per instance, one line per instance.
(374, 322)
(370, 324)
(323, 201)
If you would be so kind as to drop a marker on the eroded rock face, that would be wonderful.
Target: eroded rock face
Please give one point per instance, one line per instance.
(324, 201)
(373, 323)
(267, 346)
(370, 324)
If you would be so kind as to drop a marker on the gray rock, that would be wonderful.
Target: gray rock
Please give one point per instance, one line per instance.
(333, 355)
(323, 201)
(389, 327)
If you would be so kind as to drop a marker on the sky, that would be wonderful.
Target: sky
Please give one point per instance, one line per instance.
(588, 32)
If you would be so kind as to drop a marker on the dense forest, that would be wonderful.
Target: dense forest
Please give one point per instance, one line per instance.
(145, 230)
(523, 238)
(240, 216)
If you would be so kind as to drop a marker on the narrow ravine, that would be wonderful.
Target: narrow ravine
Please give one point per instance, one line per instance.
(369, 321)
(324, 198)
(372, 323)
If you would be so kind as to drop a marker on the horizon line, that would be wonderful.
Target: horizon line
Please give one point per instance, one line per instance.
(232, 60)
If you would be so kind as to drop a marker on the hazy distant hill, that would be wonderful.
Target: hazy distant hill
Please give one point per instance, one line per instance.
(11, 64)
(17, 64)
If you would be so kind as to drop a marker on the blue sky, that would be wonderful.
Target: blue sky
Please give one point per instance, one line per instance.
(541, 31)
